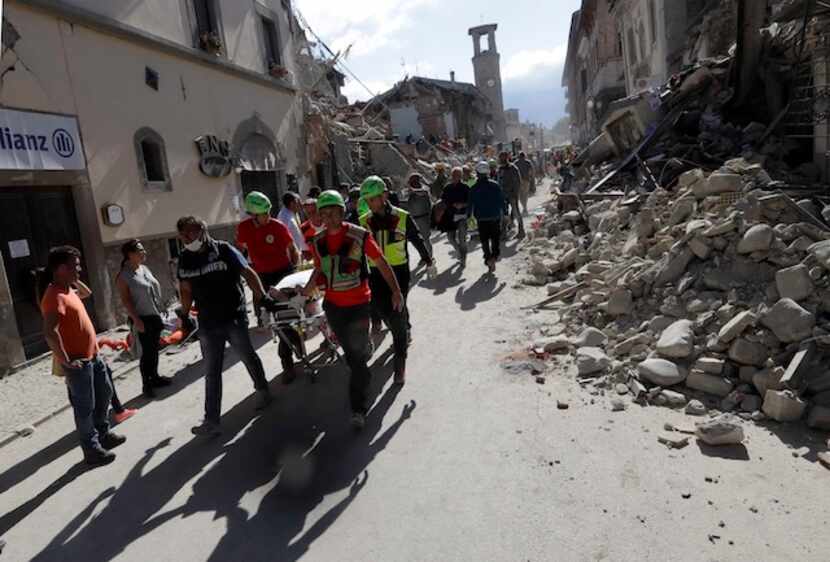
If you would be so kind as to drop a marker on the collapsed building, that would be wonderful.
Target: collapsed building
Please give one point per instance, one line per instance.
(691, 266)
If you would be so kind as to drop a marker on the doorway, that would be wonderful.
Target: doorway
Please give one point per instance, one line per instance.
(268, 183)
(33, 220)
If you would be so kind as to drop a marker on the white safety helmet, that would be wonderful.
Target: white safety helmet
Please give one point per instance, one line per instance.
(483, 168)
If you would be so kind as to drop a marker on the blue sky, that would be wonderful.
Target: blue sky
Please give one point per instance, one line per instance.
(392, 38)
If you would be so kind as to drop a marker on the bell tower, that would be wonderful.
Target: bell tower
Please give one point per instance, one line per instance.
(487, 69)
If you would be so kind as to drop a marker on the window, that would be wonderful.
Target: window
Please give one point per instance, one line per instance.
(208, 31)
(152, 160)
(270, 39)
(652, 20)
(632, 48)
(583, 78)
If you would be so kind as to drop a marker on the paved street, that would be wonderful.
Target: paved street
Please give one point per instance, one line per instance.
(466, 462)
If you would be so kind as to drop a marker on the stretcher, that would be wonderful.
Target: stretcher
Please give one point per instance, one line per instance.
(291, 310)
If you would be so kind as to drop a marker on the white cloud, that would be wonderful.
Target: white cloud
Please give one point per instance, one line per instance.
(525, 63)
(356, 92)
(367, 24)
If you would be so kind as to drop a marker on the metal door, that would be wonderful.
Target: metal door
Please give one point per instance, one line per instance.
(33, 220)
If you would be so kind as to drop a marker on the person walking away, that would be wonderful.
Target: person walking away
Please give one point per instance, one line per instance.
(456, 197)
(488, 206)
(210, 276)
(419, 205)
(289, 215)
(71, 338)
(140, 294)
(510, 180)
(268, 242)
(392, 228)
(436, 188)
(525, 167)
(341, 255)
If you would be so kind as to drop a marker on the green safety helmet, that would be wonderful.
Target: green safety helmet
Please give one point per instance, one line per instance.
(493, 163)
(257, 203)
(372, 187)
(330, 198)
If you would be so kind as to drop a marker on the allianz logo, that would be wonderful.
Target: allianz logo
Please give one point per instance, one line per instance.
(62, 142)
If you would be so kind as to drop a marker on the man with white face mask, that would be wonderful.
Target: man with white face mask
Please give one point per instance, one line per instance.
(210, 275)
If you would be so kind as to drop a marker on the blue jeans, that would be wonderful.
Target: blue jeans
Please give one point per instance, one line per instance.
(212, 340)
(90, 392)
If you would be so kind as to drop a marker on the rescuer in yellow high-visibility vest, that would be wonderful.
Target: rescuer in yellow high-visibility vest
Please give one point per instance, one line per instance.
(392, 228)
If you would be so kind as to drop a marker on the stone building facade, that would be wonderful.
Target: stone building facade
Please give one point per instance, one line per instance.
(180, 106)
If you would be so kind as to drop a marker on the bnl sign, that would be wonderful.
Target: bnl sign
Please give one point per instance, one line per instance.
(39, 141)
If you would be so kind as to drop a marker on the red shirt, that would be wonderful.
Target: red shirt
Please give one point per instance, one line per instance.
(267, 244)
(358, 295)
(74, 326)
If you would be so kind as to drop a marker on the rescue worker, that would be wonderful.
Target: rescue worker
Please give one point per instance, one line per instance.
(341, 255)
(267, 241)
(419, 205)
(467, 176)
(494, 170)
(392, 228)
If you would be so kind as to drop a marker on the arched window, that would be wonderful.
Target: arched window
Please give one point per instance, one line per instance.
(152, 160)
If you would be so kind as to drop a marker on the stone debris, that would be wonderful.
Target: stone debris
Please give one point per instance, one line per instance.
(698, 286)
(724, 429)
(696, 408)
(673, 440)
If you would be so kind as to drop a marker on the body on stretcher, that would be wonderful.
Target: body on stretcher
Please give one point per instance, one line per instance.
(291, 310)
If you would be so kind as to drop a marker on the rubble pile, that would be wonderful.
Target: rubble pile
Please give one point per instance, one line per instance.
(714, 296)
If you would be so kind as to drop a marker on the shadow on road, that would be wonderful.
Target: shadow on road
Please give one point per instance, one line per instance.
(450, 277)
(69, 443)
(485, 288)
(265, 480)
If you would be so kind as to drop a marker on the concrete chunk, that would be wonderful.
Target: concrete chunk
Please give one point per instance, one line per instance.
(783, 405)
(746, 352)
(736, 326)
(710, 384)
(722, 430)
(591, 360)
(789, 321)
(711, 365)
(677, 341)
(661, 372)
(794, 282)
(757, 239)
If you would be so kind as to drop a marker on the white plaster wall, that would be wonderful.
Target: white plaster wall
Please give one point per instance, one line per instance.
(100, 79)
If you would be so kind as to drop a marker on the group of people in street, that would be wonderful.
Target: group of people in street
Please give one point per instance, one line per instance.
(358, 247)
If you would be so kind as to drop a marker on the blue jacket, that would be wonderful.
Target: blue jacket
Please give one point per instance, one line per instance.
(487, 200)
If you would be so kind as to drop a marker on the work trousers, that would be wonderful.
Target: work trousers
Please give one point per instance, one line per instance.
(396, 321)
(458, 238)
(351, 326)
(524, 194)
(150, 346)
(90, 392)
(212, 340)
(424, 225)
(516, 215)
(489, 232)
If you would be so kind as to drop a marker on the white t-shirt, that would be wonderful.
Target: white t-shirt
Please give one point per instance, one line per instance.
(289, 219)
